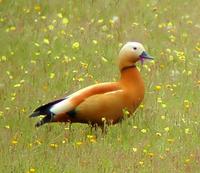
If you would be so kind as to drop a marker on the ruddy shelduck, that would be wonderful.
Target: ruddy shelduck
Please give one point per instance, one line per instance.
(102, 102)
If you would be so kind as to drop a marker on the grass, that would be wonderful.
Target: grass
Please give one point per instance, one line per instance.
(53, 48)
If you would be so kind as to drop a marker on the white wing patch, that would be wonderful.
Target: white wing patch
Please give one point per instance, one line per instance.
(62, 107)
(65, 105)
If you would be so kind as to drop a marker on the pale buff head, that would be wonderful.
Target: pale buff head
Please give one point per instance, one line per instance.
(130, 53)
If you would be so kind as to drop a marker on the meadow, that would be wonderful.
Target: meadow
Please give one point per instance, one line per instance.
(49, 49)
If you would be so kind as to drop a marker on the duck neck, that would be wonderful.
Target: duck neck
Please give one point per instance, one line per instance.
(130, 76)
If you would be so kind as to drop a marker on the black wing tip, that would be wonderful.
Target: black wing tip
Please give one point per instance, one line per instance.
(34, 114)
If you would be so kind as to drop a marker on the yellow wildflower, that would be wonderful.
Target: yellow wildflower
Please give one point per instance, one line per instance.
(12, 28)
(31, 170)
(46, 41)
(172, 38)
(158, 134)
(144, 130)
(189, 22)
(186, 104)
(93, 140)
(144, 150)
(53, 145)
(82, 29)
(104, 59)
(7, 108)
(141, 162)
(79, 143)
(33, 62)
(187, 161)
(126, 112)
(189, 73)
(60, 15)
(38, 142)
(100, 21)
(14, 142)
(166, 129)
(164, 105)
(159, 100)
(51, 27)
(80, 79)
(157, 87)
(94, 41)
(3, 58)
(134, 149)
(52, 75)
(141, 106)
(43, 17)
(7, 127)
(65, 21)
(17, 85)
(76, 45)
(1, 114)
(187, 131)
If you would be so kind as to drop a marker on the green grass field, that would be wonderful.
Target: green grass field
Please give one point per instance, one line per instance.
(49, 49)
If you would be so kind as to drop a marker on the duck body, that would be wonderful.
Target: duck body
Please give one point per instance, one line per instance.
(110, 105)
(98, 103)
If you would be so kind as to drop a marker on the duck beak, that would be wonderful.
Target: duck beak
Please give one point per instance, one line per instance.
(144, 56)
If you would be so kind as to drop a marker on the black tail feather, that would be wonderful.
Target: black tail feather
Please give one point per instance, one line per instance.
(46, 119)
(44, 109)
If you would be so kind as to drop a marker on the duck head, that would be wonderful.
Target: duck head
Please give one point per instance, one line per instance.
(130, 53)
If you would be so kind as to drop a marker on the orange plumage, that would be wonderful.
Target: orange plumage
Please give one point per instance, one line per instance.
(106, 100)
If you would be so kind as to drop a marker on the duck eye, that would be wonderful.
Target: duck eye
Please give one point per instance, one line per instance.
(135, 48)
